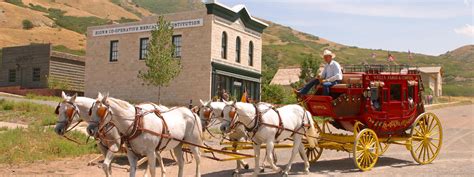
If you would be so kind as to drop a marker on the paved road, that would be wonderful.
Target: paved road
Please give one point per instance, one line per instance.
(456, 158)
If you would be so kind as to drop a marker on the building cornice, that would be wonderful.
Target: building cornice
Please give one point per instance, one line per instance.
(233, 14)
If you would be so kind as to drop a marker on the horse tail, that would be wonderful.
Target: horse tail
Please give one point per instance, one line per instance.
(311, 132)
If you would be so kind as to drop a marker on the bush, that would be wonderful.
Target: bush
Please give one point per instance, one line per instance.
(27, 24)
(277, 94)
(16, 2)
(38, 8)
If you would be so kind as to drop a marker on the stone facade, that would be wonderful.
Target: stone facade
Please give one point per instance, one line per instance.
(201, 36)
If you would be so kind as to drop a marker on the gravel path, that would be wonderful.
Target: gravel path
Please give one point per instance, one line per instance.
(456, 158)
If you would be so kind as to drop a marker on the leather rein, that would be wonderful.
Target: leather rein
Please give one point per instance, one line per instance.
(258, 122)
(137, 128)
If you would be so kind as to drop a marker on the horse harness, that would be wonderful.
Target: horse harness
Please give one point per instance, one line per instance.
(258, 122)
(137, 129)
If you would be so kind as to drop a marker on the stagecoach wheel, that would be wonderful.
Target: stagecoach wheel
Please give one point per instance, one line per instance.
(366, 149)
(383, 147)
(325, 128)
(426, 138)
(313, 154)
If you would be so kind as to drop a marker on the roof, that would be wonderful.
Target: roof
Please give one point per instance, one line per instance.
(286, 76)
(234, 13)
(435, 69)
(67, 56)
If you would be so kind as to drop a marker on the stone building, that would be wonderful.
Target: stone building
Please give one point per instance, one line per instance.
(31, 66)
(219, 48)
(433, 79)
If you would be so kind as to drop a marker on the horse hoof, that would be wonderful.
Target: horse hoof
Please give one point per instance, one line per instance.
(235, 174)
(262, 170)
(246, 166)
(284, 173)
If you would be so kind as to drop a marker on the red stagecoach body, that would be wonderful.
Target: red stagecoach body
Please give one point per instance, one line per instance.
(386, 99)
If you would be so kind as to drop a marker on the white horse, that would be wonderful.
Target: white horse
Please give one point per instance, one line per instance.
(73, 109)
(209, 111)
(154, 134)
(264, 126)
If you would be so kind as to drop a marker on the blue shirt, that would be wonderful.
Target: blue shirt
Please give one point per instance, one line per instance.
(332, 71)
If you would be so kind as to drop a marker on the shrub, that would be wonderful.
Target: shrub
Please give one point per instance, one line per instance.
(277, 94)
(27, 24)
(77, 24)
(38, 8)
(16, 2)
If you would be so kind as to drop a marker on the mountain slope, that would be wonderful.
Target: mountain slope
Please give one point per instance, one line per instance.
(63, 23)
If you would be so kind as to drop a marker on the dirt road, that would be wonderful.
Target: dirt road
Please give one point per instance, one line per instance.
(456, 158)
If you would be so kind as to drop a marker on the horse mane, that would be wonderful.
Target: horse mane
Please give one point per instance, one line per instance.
(120, 103)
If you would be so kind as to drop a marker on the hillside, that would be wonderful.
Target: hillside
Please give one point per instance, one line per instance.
(63, 23)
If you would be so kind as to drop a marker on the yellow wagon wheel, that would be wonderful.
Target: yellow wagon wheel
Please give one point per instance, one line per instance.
(313, 154)
(366, 149)
(426, 138)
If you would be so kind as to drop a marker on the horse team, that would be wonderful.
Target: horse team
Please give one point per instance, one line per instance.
(149, 129)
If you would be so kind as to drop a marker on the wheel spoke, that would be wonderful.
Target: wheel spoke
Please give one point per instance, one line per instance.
(419, 146)
(434, 145)
(421, 151)
(433, 128)
(431, 124)
(431, 150)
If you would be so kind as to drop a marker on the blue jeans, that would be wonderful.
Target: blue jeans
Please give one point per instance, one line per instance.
(313, 82)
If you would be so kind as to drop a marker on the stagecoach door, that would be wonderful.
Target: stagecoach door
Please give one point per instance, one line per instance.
(395, 102)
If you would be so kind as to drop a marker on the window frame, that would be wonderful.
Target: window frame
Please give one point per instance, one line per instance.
(36, 74)
(224, 45)
(251, 53)
(112, 57)
(176, 47)
(143, 52)
(238, 49)
(10, 75)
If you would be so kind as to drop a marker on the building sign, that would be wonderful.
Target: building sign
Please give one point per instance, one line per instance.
(146, 27)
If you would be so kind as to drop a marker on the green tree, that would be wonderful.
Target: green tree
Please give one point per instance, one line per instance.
(162, 67)
(27, 24)
(309, 67)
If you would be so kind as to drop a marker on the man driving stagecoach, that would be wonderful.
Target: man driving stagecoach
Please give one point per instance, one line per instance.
(331, 75)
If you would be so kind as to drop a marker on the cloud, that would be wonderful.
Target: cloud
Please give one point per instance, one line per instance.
(467, 30)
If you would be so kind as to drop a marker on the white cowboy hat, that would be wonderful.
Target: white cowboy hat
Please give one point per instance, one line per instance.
(328, 52)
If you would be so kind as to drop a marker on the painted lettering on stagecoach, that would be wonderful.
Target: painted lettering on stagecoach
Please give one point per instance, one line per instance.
(146, 27)
(319, 107)
(391, 77)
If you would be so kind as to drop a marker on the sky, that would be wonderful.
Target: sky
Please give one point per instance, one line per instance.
(421, 26)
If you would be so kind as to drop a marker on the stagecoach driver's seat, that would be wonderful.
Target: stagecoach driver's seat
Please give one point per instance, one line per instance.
(331, 75)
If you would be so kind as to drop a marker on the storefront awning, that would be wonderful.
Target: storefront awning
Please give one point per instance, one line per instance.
(231, 71)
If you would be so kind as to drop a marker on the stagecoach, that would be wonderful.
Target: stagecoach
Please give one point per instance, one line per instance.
(375, 106)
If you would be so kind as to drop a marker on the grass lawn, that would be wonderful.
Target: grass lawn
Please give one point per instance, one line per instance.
(36, 142)
(40, 143)
(27, 113)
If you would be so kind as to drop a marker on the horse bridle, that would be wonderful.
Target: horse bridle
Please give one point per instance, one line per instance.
(102, 111)
(233, 117)
(70, 114)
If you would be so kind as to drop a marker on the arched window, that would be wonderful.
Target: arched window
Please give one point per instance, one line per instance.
(250, 53)
(237, 50)
(224, 45)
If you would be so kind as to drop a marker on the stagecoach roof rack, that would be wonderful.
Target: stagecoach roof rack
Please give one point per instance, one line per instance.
(379, 69)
